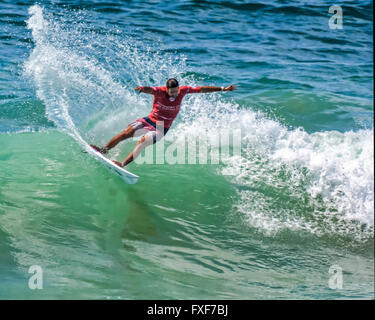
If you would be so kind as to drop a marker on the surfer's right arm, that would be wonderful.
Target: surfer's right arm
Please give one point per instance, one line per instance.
(148, 90)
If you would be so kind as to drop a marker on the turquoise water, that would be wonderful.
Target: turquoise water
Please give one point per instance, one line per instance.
(266, 224)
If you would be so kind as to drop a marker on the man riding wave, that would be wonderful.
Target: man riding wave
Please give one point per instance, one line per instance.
(166, 105)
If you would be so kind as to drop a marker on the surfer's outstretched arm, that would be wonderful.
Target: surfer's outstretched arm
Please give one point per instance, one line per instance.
(144, 89)
(207, 89)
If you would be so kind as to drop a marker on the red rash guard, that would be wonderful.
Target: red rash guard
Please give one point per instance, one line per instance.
(166, 108)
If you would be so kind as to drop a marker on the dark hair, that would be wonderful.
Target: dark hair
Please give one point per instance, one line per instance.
(172, 83)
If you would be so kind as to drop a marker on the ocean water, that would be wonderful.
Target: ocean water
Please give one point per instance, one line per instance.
(273, 222)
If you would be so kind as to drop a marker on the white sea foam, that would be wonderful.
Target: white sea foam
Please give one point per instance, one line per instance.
(83, 77)
(289, 179)
(319, 182)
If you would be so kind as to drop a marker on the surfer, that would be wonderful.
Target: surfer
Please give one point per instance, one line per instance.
(166, 105)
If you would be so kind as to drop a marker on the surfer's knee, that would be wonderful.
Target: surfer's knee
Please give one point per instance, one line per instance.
(142, 140)
(145, 140)
(142, 143)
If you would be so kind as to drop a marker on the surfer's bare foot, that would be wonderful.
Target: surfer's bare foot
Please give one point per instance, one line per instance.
(118, 163)
(101, 150)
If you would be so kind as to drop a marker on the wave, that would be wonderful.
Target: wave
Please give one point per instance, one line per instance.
(23, 114)
(286, 179)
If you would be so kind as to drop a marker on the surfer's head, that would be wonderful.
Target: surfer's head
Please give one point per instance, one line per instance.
(172, 87)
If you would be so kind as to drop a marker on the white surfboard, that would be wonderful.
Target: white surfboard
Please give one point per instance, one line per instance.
(125, 175)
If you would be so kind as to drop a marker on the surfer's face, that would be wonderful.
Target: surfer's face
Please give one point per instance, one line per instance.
(173, 92)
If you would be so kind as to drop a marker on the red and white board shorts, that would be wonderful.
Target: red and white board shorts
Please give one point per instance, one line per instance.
(145, 126)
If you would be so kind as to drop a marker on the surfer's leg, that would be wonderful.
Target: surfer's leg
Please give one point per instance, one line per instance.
(151, 137)
(145, 141)
(135, 129)
(127, 133)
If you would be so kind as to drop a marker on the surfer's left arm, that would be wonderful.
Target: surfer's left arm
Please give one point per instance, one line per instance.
(207, 89)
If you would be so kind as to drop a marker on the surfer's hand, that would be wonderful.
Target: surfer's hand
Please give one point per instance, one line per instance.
(139, 89)
(230, 88)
